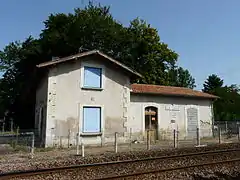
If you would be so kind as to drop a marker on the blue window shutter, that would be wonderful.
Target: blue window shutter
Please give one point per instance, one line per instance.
(91, 119)
(92, 77)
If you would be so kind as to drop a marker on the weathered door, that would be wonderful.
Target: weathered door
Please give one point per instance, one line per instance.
(192, 122)
(151, 122)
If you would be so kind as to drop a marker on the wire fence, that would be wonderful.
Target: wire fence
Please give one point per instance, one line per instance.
(231, 127)
(17, 141)
(123, 142)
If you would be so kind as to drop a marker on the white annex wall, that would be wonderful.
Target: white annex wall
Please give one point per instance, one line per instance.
(170, 110)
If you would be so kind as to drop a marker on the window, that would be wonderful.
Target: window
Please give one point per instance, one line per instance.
(92, 77)
(91, 120)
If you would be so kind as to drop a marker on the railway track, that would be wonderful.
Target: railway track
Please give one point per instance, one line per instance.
(122, 169)
(155, 172)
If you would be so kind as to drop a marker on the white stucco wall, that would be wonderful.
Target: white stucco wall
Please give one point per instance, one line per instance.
(66, 99)
(165, 128)
(63, 98)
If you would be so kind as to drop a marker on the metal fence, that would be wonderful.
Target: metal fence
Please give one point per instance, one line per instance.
(231, 127)
(124, 142)
(17, 141)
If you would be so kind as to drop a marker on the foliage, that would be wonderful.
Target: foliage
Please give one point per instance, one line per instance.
(137, 45)
(213, 82)
(181, 78)
(226, 107)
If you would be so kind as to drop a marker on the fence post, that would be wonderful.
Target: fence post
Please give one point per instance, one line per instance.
(130, 139)
(60, 140)
(82, 147)
(174, 138)
(17, 133)
(238, 133)
(226, 126)
(11, 125)
(3, 125)
(198, 137)
(32, 148)
(77, 143)
(219, 134)
(115, 142)
(69, 132)
(102, 140)
(148, 139)
(177, 137)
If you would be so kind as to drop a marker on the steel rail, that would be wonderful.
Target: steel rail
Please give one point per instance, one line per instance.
(168, 169)
(72, 167)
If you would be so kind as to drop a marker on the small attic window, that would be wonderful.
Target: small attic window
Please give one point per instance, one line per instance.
(92, 77)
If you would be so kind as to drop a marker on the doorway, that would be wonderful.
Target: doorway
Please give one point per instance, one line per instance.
(151, 122)
(42, 126)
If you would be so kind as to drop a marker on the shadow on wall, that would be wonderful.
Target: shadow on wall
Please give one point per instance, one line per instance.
(65, 128)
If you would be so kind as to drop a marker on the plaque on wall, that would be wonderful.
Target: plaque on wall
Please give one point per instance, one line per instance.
(172, 107)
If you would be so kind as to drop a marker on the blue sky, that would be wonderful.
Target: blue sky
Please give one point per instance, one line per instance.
(204, 33)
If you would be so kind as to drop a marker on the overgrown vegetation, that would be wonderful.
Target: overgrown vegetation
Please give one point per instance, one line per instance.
(226, 108)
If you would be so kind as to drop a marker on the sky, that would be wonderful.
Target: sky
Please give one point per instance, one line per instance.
(204, 33)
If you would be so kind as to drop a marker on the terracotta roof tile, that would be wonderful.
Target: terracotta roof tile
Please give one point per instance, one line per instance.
(169, 91)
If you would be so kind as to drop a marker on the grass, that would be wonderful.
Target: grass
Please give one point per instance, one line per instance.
(21, 148)
(47, 149)
(8, 133)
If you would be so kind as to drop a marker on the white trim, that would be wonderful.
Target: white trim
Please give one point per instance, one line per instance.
(103, 77)
(102, 123)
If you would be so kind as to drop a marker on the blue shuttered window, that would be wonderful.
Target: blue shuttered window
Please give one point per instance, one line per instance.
(92, 77)
(91, 119)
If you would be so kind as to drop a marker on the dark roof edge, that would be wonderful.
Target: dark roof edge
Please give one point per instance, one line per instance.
(64, 59)
(176, 95)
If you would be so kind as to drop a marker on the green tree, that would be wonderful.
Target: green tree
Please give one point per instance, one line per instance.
(181, 78)
(212, 83)
(226, 107)
(137, 45)
(17, 86)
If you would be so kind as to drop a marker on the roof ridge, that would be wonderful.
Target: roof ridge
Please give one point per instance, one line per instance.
(87, 53)
(165, 86)
(169, 90)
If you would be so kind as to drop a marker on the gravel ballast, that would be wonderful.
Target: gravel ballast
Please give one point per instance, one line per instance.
(57, 161)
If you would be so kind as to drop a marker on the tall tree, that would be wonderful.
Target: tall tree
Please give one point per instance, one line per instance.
(137, 45)
(226, 107)
(181, 78)
(212, 83)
